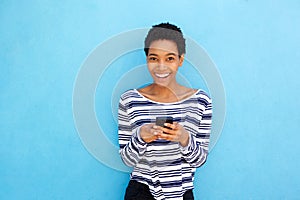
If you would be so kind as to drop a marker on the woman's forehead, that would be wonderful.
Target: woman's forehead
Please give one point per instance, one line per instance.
(163, 46)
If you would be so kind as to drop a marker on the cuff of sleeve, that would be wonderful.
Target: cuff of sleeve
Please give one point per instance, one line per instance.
(138, 138)
(187, 148)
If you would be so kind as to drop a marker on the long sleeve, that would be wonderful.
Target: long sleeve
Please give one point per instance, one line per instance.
(132, 147)
(195, 153)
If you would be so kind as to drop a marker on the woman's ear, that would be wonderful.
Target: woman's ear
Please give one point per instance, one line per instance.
(181, 59)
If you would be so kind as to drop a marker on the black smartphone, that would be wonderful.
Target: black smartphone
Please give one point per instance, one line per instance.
(161, 120)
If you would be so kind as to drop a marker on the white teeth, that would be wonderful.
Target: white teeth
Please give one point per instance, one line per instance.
(162, 75)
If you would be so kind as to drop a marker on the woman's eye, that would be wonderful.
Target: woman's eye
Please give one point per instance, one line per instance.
(171, 58)
(152, 58)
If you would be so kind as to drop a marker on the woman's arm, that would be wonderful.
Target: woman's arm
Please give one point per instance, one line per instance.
(195, 153)
(132, 146)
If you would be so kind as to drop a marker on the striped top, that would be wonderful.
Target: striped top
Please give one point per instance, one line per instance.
(166, 167)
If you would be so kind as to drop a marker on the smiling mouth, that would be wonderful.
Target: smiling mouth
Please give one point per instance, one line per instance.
(165, 75)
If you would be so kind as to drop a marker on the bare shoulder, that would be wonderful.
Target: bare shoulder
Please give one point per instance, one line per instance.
(145, 90)
(186, 92)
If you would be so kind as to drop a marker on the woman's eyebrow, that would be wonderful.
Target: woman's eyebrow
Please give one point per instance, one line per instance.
(168, 54)
(171, 54)
(152, 54)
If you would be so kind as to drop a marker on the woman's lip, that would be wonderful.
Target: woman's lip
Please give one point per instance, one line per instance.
(162, 75)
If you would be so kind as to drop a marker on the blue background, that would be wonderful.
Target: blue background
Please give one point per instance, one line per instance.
(255, 44)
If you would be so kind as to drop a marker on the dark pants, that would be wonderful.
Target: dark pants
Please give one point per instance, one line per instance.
(140, 191)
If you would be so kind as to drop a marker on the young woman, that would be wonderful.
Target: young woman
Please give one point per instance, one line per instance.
(164, 158)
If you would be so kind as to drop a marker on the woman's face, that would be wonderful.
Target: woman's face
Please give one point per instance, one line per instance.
(163, 62)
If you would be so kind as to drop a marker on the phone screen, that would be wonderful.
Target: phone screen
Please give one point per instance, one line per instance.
(161, 120)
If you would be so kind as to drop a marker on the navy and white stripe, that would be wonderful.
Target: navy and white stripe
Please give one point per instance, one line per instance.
(165, 166)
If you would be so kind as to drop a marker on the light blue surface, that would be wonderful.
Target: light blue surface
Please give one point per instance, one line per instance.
(255, 45)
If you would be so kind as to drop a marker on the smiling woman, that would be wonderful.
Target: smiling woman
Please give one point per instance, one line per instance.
(163, 61)
(164, 158)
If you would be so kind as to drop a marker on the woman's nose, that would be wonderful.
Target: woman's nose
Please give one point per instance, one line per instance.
(161, 64)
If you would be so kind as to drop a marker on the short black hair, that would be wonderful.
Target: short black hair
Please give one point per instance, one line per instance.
(165, 31)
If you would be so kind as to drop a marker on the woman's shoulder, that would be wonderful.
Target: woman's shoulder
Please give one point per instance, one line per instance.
(194, 93)
(130, 93)
(203, 95)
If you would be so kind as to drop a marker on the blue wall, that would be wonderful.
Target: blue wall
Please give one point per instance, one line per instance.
(254, 44)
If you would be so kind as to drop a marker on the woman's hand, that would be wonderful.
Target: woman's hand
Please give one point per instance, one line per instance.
(177, 133)
(148, 133)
